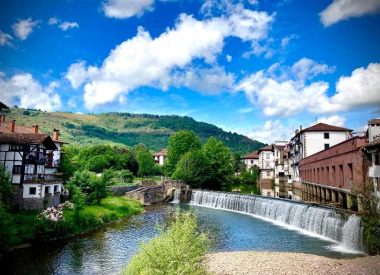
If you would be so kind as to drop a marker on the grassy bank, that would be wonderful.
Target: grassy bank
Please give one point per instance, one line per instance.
(25, 227)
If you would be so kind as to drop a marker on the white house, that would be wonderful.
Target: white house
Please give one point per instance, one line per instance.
(266, 168)
(312, 140)
(160, 157)
(32, 159)
(373, 148)
(250, 160)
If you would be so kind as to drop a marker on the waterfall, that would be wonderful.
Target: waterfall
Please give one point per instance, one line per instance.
(177, 194)
(347, 230)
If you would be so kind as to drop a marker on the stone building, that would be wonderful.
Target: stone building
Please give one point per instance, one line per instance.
(160, 157)
(250, 160)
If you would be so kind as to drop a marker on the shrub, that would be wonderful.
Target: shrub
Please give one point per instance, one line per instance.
(126, 176)
(178, 250)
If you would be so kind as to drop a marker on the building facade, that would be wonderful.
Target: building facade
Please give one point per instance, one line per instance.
(250, 160)
(32, 159)
(160, 157)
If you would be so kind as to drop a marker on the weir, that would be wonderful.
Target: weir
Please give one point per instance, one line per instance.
(325, 222)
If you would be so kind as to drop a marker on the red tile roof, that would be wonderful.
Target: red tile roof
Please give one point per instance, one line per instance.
(163, 152)
(374, 121)
(325, 127)
(266, 148)
(18, 129)
(28, 138)
(375, 143)
(253, 155)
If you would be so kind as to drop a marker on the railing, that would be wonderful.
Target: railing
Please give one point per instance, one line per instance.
(29, 178)
(53, 163)
(37, 157)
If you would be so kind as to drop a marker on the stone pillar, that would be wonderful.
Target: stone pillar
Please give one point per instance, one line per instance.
(328, 194)
(333, 196)
(350, 203)
(360, 204)
(340, 195)
(323, 194)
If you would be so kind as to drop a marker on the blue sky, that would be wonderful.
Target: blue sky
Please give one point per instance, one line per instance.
(260, 68)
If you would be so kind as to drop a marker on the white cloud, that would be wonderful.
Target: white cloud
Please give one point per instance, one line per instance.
(271, 131)
(53, 20)
(340, 10)
(228, 58)
(143, 61)
(361, 89)
(245, 110)
(24, 28)
(22, 89)
(127, 8)
(285, 41)
(287, 93)
(205, 81)
(68, 25)
(5, 39)
(333, 120)
(72, 103)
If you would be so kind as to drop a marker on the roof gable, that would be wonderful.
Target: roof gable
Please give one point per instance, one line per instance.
(325, 127)
(28, 138)
(253, 155)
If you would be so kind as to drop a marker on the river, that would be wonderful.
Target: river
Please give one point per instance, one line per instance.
(108, 250)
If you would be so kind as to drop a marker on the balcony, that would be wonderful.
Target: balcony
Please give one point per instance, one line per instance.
(53, 163)
(374, 171)
(34, 157)
(41, 178)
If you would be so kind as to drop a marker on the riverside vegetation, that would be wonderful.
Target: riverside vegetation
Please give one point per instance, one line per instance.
(180, 249)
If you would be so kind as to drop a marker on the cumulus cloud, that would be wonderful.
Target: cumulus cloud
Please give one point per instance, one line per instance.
(271, 131)
(22, 89)
(68, 25)
(333, 120)
(286, 93)
(361, 89)
(163, 61)
(53, 21)
(228, 58)
(127, 8)
(340, 10)
(5, 39)
(285, 41)
(24, 28)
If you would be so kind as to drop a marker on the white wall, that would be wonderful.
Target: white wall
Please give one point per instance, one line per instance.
(373, 131)
(315, 141)
(249, 163)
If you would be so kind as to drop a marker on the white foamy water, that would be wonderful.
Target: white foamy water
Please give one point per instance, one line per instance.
(177, 194)
(346, 231)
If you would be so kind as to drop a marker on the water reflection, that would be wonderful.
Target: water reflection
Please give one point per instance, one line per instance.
(108, 250)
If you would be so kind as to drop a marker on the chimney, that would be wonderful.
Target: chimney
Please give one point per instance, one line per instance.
(55, 134)
(2, 119)
(296, 132)
(35, 128)
(300, 128)
(12, 124)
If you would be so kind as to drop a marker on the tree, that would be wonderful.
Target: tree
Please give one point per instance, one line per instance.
(5, 186)
(126, 176)
(193, 168)
(219, 157)
(145, 161)
(179, 144)
(237, 163)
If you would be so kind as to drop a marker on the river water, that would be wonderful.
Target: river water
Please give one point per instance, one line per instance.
(108, 250)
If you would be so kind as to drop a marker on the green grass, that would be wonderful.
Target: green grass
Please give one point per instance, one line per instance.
(24, 226)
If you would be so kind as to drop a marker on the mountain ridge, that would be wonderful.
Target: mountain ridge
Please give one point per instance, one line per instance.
(127, 128)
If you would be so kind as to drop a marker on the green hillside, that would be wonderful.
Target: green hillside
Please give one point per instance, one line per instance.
(126, 128)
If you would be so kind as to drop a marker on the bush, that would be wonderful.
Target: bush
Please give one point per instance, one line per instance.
(178, 250)
(126, 176)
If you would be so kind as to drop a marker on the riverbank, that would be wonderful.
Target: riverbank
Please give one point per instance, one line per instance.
(25, 226)
(247, 262)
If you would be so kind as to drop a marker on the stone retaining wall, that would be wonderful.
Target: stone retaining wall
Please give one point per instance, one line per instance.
(119, 191)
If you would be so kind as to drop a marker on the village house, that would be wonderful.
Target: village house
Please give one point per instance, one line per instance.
(250, 160)
(160, 157)
(312, 140)
(32, 158)
(266, 168)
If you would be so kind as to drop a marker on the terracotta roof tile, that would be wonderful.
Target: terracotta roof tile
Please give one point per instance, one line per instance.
(325, 127)
(253, 155)
(266, 148)
(163, 152)
(374, 121)
(374, 143)
(28, 138)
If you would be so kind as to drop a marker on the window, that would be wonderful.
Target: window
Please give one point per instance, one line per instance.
(267, 165)
(327, 146)
(55, 188)
(327, 135)
(268, 173)
(377, 159)
(268, 156)
(32, 190)
(251, 161)
(16, 147)
(17, 169)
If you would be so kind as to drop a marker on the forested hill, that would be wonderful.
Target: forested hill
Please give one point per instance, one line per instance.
(126, 128)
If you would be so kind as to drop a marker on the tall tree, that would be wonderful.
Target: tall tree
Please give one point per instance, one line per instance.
(179, 144)
(145, 161)
(193, 168)
(219, 157)
(237, 163)
(5, 186)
